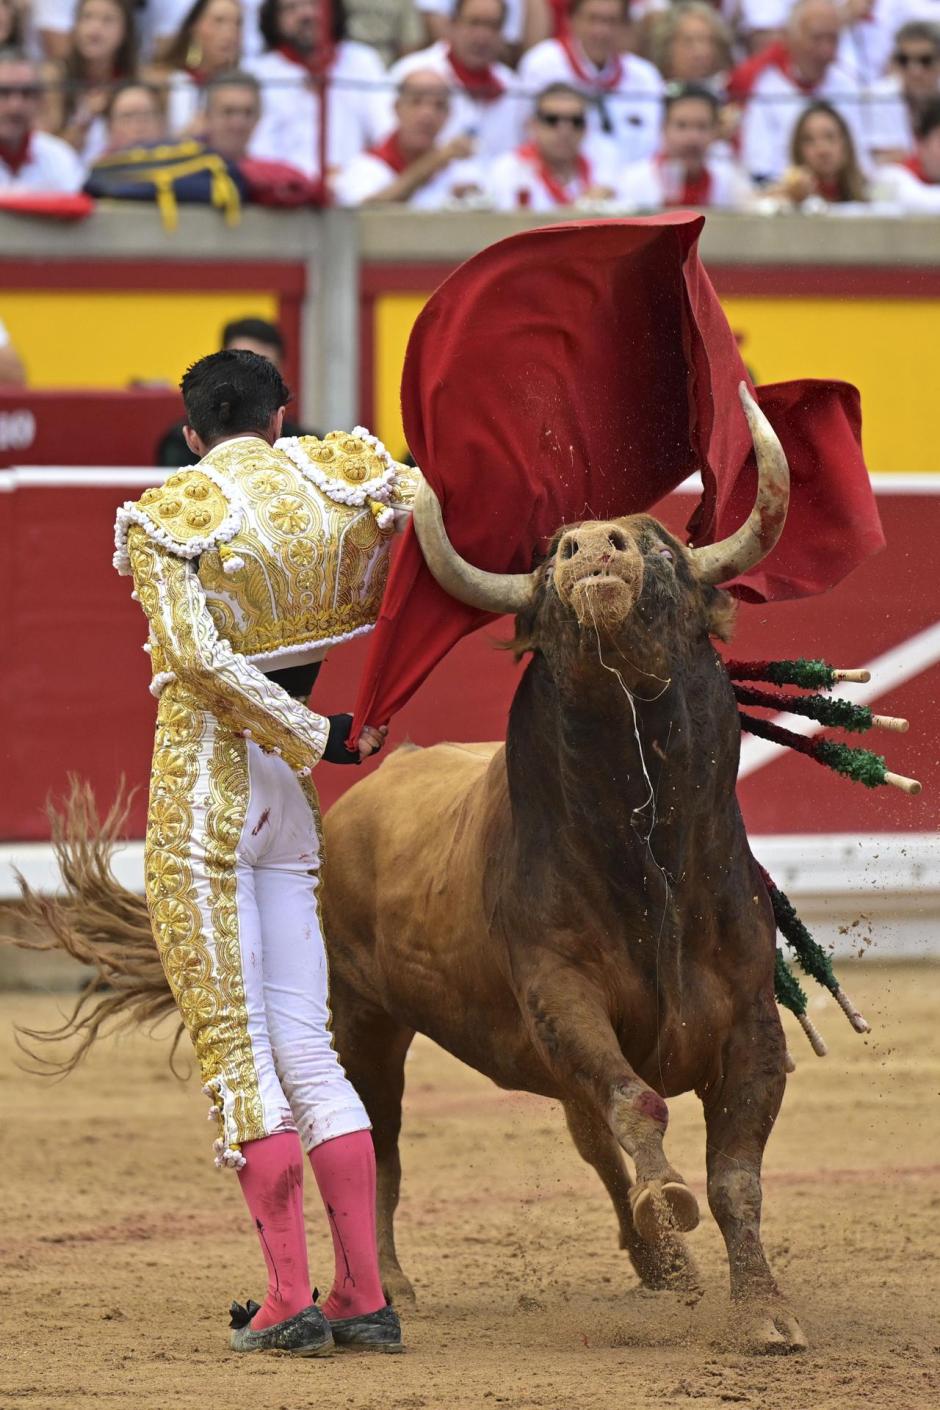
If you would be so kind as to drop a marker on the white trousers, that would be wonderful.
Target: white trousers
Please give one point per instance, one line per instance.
(284, 966)
(233, 860)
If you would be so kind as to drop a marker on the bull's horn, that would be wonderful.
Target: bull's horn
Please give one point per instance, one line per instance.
(717, 562)
(491, 592)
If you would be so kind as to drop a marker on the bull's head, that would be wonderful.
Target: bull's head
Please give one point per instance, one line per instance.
(599, 569)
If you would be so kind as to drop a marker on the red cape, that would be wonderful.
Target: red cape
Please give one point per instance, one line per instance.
(583, 371)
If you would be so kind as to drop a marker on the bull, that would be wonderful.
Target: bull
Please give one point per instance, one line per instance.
(577, 913)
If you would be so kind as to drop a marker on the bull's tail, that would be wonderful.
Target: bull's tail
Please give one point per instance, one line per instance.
(101, 924)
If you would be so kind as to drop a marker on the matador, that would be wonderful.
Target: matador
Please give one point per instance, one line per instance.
(249, 567)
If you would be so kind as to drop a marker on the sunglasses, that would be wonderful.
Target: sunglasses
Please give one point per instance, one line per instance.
(926, 61)
(575, 120)
(15, 91)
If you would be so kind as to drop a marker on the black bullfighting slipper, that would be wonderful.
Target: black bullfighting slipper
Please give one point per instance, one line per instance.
(306, 1334)
(376, 1331)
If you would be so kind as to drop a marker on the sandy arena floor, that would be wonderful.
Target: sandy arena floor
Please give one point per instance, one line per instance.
(122, 1246)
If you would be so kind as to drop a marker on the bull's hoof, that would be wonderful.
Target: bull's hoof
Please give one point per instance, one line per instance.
(769, 1329)
(398, 1289)
(665, 1265)
(663, 1206)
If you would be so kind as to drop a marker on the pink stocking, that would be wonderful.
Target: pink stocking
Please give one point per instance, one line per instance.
(345, 1172)
(272, 1181)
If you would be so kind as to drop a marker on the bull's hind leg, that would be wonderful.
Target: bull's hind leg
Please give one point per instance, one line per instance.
(570, 1025)
(740, 1111)
(664, 1261)
(373, 1047)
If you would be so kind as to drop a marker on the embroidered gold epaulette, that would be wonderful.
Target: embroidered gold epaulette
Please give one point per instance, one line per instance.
(188, 514)
(349, 467)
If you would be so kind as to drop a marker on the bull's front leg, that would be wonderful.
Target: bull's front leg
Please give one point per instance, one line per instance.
(740, 1110)
(570, 1024)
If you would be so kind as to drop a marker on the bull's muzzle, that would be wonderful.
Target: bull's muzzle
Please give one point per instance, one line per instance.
(599, 573)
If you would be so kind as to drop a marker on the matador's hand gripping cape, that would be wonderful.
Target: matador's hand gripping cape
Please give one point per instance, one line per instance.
(583, 371)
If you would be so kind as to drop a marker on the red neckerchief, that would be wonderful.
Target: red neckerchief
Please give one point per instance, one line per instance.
(916, 168)
(742, 79)
(558, 9)
(482, 84)
(551, 183)
(696, 191)
(829, 190)
(198, 76)
(391, 154)
(605, 81)
(17, 157)
(316, 62)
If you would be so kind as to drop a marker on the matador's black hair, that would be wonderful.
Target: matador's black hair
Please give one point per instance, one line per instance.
(232, 391)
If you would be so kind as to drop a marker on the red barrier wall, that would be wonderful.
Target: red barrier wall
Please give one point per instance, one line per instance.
(85, 427)
(74, 679)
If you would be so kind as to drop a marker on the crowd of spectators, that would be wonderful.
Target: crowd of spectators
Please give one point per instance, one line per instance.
(500, 104)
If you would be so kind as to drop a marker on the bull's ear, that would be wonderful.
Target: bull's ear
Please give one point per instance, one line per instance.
(720, 613)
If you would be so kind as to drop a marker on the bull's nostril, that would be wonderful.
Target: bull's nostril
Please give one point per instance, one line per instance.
(569, 548)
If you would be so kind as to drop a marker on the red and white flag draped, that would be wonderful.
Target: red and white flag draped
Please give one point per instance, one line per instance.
(583, 371)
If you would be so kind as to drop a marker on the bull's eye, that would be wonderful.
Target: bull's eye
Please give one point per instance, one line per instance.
(617, 539)
(569, 548)
(665, 552)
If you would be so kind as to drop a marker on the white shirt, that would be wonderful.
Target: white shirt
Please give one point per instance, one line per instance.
(289, 128)
(633, 104)
(367, 174)
(496, 124)
(865, 48)
(903, 188)
(51, 165)
(888, 118)
(643, 185)
(775, 104)
(512, 25)
(183, 99)
(515, 182)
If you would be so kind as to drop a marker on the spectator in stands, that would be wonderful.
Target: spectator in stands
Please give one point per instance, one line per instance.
(390, 27)
(255, 335)
(12, 371)
(414, 166)
(779, 82)
(134, 116)
(30, 160)
(627, 90)
(11, 24)
(207, 43)
(915, 184)
(486, 103)
(525, 23)
(307, 45)
(898, 99)
(823, 162)
(552, 169)
(78, 89)
(686, 170)
(232, 107)
(165, 18)
(231, 114)
(691, 43)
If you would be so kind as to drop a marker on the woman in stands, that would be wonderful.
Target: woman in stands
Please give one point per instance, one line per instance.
(103, 50)
(207, 43)
(691, 43)
(824, 166)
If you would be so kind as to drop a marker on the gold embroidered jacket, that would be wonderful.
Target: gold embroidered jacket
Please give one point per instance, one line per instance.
(262, 557)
